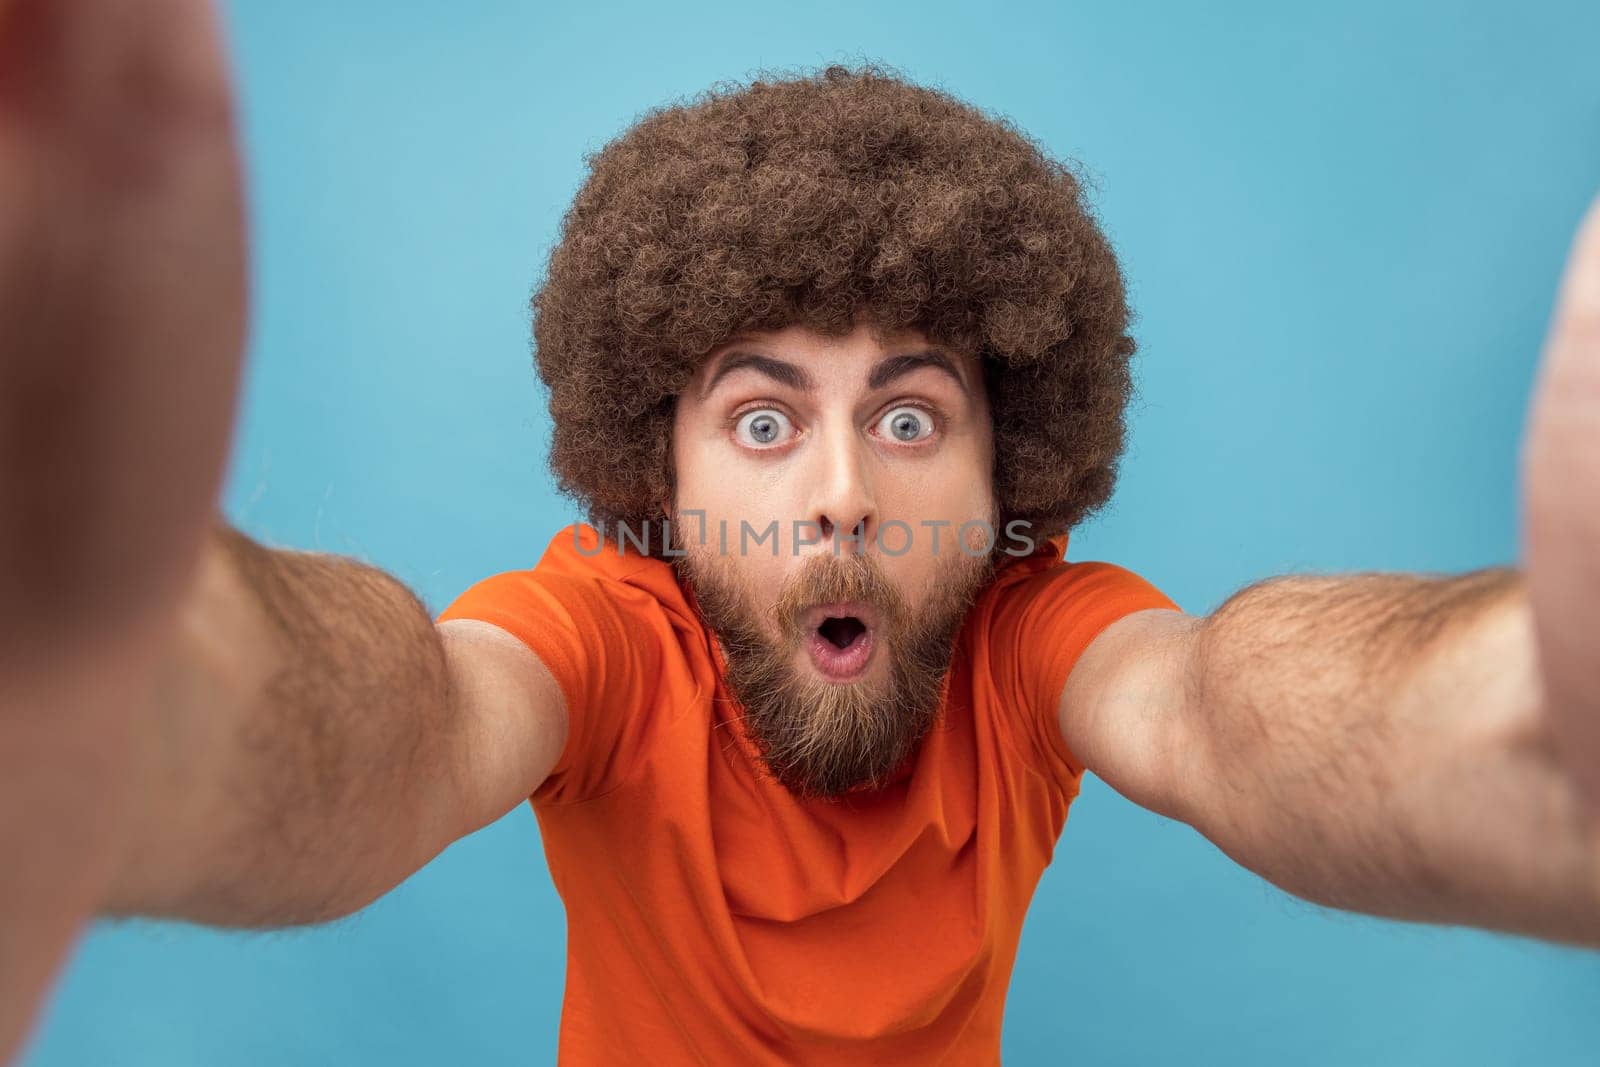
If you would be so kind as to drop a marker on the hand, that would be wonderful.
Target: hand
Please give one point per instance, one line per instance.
(1561, 514)
(122, 289)
(121, 318)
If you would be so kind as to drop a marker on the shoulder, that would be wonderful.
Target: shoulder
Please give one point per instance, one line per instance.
(1135, 657)
(586, 610)
(578, 576)
(1046, 598)
(1055, 632)
(1123, 707)
(611, 630)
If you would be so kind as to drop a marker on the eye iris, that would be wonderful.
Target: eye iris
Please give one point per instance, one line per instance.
(906, 426)
(764, 428)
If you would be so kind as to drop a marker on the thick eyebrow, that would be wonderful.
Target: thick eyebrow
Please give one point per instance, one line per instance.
(776, 369)
(897, 366)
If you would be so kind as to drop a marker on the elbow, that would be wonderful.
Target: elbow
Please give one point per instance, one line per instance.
(243, 903)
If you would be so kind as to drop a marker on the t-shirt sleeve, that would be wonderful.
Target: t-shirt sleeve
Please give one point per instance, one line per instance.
(592, 636)
(1040, 629)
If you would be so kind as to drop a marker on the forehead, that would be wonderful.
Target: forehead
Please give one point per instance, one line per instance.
(851, 360)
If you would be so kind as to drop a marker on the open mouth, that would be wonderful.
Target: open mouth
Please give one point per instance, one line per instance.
(842, 633)
(841, 641)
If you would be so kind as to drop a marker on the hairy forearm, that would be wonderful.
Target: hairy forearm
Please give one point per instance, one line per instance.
(1377, 742)
(295, 756)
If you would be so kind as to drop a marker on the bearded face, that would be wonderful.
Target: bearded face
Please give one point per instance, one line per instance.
(842, 677)
(881, 443)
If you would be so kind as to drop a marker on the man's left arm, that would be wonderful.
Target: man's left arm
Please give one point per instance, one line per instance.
(1416, 746)
(1374, 742)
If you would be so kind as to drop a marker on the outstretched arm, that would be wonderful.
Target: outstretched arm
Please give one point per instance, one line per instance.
(311, 737)
(314, 738)
(1374, 742)
(121, 319)
(1420, 747)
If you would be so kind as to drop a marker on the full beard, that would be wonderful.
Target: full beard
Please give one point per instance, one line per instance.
(820, 738)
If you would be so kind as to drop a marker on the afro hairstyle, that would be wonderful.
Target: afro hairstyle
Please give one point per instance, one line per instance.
(816, 200)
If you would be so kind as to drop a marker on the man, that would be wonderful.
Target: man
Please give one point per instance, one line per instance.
(835, 365)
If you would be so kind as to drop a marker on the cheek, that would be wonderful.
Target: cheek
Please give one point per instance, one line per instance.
(941, 506)
(751, 581)
(731, 500)
(956, 489)
(730, 489)
(690, 458)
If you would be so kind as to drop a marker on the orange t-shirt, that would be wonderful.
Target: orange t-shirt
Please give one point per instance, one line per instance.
(712, 917)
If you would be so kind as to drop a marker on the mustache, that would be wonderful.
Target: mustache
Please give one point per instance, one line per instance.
(818, 739)
(829, 578)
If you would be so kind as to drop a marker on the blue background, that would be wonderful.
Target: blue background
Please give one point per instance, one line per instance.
(1343, 225)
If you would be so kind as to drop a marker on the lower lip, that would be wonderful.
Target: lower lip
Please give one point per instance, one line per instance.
(840, 664)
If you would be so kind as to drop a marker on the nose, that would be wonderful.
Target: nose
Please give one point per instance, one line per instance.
(842, 503)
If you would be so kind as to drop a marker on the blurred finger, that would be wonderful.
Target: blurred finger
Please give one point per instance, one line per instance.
(122, 284)
(1561, 508)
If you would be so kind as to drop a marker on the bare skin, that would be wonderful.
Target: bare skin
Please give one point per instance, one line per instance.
(833, 457)
(275, 736)
(1419, 747)
(121, 272)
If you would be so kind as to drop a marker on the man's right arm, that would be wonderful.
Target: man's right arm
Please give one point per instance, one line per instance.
(315, 738)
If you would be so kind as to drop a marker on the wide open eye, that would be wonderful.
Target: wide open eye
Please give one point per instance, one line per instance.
(763, 427)
(906, 424)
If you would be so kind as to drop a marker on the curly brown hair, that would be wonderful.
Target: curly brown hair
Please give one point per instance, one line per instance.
(815, 200)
